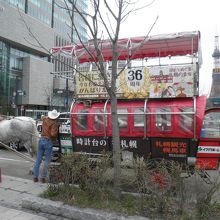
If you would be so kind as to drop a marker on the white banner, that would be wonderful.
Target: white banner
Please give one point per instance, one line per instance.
(141, 82)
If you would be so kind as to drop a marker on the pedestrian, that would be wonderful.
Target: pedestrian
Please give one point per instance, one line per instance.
(45, 145)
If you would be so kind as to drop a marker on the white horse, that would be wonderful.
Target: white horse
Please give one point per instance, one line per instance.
(20, 129)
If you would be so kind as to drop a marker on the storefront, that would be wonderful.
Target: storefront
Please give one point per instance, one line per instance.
(10, 78)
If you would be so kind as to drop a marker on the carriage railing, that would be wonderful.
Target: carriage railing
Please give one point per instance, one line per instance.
(145, 113)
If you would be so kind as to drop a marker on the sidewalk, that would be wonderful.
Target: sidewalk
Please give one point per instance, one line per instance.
(9, 214)
(20, 200)
(12, 191)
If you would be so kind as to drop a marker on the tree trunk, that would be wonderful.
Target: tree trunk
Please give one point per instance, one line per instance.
(115, 127)
(116, 148)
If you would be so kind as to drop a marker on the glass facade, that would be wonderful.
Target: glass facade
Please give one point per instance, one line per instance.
(11, 67)
(4, 69)
(42, 10)
(10, 77)
(11, 58)
(54, 14)
(62, 21)
(83, 5)
(19, 3)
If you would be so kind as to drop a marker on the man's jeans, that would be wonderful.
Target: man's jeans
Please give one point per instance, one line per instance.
(45, 148)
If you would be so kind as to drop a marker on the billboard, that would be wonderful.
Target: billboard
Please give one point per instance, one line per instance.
(141, 82)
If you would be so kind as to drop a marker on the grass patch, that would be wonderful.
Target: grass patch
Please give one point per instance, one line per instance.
(71, 195)
(160, 190)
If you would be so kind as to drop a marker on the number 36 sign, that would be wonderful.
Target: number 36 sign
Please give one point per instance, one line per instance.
(134, 83)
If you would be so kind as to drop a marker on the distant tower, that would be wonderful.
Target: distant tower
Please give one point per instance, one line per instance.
(214, 99)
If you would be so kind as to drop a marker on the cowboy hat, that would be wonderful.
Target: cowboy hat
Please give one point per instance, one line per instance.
(53, 114)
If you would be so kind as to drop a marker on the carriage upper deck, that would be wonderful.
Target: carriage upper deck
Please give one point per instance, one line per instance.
(159, 108)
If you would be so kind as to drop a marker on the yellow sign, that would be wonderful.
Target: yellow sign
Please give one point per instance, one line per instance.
(134, 83)
(90, 85)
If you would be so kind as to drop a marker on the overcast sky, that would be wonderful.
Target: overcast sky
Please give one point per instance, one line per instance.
(180, 16)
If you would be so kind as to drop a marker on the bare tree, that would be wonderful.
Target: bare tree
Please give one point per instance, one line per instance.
(104, 21)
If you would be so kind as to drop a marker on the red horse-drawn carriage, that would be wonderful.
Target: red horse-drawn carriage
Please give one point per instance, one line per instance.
(160, 111)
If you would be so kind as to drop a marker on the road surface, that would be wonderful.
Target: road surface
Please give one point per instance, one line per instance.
(13, 165)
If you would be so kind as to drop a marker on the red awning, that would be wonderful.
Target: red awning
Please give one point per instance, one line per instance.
(176, 44)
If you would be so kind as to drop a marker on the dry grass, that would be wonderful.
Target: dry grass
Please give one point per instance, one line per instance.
(155, 190)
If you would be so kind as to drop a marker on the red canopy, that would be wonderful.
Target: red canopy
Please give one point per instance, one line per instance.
(176, 44)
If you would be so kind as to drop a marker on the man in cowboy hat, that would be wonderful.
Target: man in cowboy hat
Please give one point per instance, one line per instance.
(45, 145)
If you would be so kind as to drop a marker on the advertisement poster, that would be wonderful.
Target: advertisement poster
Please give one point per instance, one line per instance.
(141, 82)
(170, 148)
(90, 85)
(172, 81)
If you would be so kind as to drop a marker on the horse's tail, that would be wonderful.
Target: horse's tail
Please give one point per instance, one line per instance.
(35, 139)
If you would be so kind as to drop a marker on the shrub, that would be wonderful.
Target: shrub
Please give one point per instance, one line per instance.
(156, 189)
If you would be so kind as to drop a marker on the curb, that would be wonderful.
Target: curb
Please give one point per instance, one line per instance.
(71, 212)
